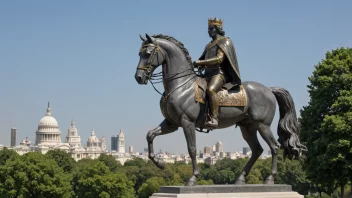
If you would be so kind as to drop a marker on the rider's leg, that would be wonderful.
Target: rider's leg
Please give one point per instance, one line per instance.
(214, 86)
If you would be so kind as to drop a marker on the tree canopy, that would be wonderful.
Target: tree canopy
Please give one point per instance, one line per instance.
(326, 122)
(63, 159)
(34, 175)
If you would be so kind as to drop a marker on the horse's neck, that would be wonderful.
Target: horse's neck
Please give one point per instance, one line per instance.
(177, 72)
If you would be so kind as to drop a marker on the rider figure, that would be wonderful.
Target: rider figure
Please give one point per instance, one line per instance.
(221, 67)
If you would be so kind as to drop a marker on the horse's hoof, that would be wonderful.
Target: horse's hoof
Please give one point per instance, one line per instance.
(269, 180)
(192, 181)
(240, 180)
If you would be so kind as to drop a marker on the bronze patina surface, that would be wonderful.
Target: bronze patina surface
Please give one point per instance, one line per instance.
(232, 98)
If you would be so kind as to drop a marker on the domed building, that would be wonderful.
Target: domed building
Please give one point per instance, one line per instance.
(48, 132)
(26, 142)
(93, 141)
(48, 137)
(95, 146)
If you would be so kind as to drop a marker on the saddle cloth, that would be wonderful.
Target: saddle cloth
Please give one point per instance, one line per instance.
(231, 98)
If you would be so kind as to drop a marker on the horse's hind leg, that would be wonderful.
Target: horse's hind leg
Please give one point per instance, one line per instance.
(164, 128)
(249, 133)
(268, 136)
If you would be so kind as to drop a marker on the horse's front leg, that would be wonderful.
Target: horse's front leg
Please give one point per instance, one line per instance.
(190, 134)
(164, 128)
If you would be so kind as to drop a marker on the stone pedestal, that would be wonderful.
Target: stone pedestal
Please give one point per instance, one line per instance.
(220, 191)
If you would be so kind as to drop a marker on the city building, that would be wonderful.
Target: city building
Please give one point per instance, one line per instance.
(48, 132)
(120, 154)
(48, 137)
(131, 149)
(219, 147)
(13, 137)
(245, 150)
(114, 143)
(72, 138)
(208, 150)
(121, 142)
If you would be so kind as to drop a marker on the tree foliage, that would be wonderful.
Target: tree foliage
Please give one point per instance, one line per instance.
(110, 162)
(152, 185)
(93, 178)
(136, 162)
(6, 154)
(326, 122)
(205, 182)
(34, 175)
(62, 158)
(96, 180)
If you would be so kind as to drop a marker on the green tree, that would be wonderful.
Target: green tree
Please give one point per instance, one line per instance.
(224, 177)
(254, 177)
(145, 173)
(96, 180)
(185, 171)
(131, 172)
(208, 173)
(6, 154)
(205, 182)
(177, 181)
(84, 163)
(326, 122)
(152, 185)
(110, 162)
(34, 175)
(62, 158)
(139, 162)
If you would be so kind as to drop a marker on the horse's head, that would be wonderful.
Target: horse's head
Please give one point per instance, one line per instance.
(151, 56)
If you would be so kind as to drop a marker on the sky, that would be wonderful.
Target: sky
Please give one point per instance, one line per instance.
(81, 56)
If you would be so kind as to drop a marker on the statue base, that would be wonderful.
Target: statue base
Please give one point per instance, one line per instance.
(219, 191)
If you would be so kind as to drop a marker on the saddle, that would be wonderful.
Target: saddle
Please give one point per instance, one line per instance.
(235, 97)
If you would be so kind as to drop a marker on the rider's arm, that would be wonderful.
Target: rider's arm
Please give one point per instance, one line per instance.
(217, 60)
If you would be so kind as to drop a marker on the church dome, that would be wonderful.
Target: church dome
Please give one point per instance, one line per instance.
(48, 132)
(93, 138)
(93, 141)
(48, 120)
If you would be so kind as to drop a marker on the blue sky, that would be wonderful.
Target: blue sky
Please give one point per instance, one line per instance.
(82, 56)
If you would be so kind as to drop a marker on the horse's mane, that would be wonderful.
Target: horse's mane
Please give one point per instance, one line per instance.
(177, 43)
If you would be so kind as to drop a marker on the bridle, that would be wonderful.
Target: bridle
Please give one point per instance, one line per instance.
(149, 68)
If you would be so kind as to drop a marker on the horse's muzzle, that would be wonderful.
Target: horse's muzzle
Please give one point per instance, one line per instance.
(141, 79)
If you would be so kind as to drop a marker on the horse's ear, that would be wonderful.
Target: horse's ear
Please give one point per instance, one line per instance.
(142, 38)
(150, 39)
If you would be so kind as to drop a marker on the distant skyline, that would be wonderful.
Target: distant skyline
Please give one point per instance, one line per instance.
(81, 56)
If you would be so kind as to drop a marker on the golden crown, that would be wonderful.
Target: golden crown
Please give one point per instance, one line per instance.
(215, 22)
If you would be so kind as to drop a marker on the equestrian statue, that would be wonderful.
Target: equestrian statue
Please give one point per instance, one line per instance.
(216, 99)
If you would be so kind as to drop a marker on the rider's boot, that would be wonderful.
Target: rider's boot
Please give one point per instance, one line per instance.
(214, 111)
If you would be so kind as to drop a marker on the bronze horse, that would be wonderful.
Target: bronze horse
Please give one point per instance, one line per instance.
(180, 108)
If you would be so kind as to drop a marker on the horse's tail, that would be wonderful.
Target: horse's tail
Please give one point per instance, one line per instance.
(288, 128)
